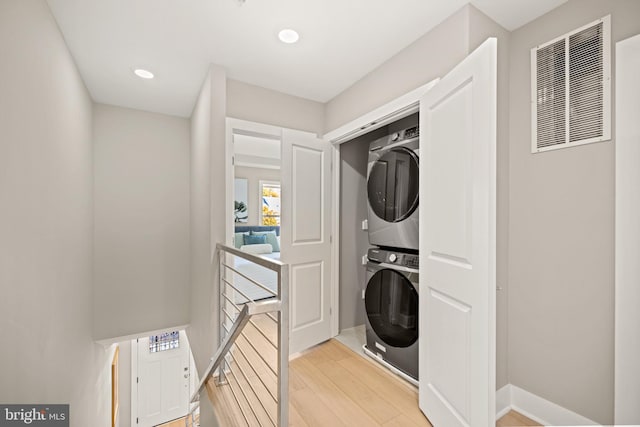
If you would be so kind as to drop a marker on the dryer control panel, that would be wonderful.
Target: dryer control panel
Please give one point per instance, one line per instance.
(396, 137)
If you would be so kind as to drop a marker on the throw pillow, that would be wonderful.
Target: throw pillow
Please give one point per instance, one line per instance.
(272, 239)
(254, 240)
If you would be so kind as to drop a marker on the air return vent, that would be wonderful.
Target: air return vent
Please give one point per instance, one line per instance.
(571, 89)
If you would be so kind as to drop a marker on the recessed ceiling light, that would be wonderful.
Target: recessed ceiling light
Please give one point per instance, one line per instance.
(143, 74)
(288, 36)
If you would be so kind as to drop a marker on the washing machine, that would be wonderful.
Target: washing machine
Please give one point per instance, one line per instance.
(391, 302)
(392, 190)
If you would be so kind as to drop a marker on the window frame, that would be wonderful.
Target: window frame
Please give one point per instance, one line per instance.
(261, 215)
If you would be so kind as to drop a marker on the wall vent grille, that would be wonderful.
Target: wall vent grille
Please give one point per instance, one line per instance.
(571, 89)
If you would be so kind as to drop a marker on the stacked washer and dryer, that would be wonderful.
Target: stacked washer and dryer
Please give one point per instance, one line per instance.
(391, 294)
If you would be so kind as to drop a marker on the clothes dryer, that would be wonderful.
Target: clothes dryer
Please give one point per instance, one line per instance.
(392, 190)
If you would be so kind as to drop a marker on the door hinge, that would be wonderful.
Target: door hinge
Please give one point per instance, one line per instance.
(137, 420)
(233, 160)
(137, 380)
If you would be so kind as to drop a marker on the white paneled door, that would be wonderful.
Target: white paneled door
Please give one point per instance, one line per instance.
(458, 244)
(163, 381)
(305, 235)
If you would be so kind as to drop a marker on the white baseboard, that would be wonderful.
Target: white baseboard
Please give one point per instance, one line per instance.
(535, 407)
(503, 401)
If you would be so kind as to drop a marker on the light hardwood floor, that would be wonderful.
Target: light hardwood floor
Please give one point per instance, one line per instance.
(330, 385)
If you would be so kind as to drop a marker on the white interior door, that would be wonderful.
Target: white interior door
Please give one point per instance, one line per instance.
(458, 244)
(163, 382)
(305, 235)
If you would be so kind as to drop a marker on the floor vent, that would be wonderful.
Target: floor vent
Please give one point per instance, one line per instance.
(571, 88)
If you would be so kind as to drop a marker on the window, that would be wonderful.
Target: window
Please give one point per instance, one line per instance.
(165, 341)
(270, 201)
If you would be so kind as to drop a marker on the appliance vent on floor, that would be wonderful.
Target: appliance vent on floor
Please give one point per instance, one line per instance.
(571, 88)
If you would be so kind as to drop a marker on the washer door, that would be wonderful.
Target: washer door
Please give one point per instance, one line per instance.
(391, 302)
(392, 186)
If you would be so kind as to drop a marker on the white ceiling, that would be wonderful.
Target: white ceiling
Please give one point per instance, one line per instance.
(340, 42)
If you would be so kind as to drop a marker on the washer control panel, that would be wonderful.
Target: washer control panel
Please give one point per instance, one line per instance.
(404, 259)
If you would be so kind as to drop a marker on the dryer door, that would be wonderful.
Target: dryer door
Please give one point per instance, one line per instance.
(392, 186)
(391, 303)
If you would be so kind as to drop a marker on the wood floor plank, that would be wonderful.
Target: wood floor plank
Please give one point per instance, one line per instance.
(404, 421)
(339, 402)
(313, 411)
(396, 391)
(515, 419)
(370, 400)
(295, 419)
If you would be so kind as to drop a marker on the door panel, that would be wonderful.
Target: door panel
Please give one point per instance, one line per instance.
(307, 292)
(457, 244)
(305, 235)
(449, 161)
(307, 193)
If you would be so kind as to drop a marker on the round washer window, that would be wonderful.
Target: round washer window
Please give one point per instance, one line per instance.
(391, 302)
(392, 186)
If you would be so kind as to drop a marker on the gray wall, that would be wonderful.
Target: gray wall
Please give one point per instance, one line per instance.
(354, 241)
(46, 219)
(254, 176)
(141, 221)
(260, 105)
(206, 219)
(429, 57)
(561, 238)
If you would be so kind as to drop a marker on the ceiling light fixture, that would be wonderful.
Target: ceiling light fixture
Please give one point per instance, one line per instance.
(288, 36)
(143, 74)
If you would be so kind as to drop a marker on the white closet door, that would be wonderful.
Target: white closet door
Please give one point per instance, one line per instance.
(458, 244)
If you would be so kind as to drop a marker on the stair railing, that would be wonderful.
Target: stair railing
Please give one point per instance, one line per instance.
(241, 364)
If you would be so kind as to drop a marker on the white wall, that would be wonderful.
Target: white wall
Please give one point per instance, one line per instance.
(561, 238)
(46, 219)
(253, 177)
(141, 237)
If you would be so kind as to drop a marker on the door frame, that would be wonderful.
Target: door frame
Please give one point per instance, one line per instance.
(627, 207)
(246, 127)
(393, 110)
